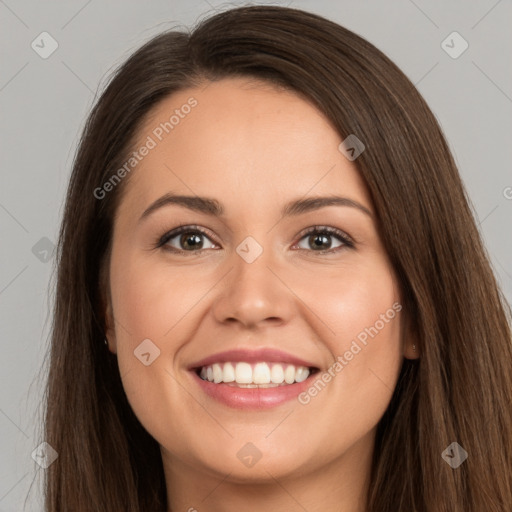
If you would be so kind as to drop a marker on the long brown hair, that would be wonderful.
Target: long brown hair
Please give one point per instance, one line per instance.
(461, 387)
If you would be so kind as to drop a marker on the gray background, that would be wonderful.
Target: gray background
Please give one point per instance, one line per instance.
(43, 107)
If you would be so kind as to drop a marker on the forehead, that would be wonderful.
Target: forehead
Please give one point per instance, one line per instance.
(241, 139)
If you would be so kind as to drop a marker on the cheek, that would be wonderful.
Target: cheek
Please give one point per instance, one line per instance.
(151, 300)
(353, 299)
(363, 311)
(150, 308)
(157, 303)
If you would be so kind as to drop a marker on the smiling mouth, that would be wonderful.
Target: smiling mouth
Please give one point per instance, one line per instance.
(254, 375)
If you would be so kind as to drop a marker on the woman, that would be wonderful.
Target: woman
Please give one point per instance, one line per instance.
(271, 289)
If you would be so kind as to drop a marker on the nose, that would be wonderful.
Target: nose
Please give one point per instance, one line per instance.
(254, 294)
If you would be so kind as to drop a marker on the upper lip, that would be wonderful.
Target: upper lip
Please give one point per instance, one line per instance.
(270, 355)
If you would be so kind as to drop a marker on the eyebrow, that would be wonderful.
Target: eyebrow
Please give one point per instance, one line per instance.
(212, 207)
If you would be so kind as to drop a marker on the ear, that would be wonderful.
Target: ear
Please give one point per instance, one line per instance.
(110, 331)
(410, 343)
(411, 350)
(107, 309)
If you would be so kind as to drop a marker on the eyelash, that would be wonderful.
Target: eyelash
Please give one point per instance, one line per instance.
(347, 242)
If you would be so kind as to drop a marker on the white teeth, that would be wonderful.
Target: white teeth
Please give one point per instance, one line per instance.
(277, 374)
(243, 373)
(229, 373)
(301, 374)
(217, 373)
(262, 374)
(289, 374)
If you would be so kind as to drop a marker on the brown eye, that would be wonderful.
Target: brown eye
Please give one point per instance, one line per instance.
(191, 241)
(187, 238)
(320, 239)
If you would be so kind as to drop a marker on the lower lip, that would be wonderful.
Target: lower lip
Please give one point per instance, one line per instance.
(252, 398)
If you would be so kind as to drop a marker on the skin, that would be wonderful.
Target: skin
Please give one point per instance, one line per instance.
(270, 146)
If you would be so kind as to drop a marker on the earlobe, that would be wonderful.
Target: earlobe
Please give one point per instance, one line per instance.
(110, 332)
(107, 309)
(108, 316)
(410, 343)
(411, 351)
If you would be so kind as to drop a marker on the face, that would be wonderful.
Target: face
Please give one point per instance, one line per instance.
(251, 283)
